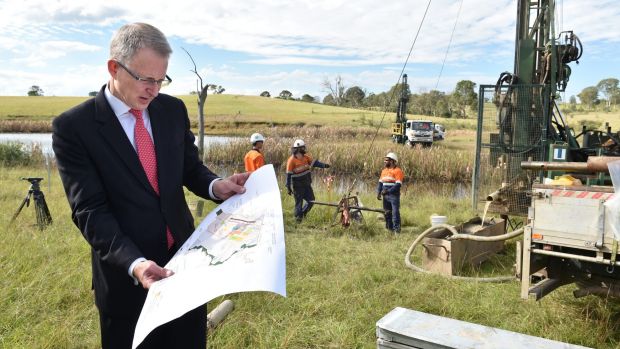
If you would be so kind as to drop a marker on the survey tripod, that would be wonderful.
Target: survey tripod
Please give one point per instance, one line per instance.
(40, 206)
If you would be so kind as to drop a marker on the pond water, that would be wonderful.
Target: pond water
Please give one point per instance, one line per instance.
(44, 140)
(344, 184)
(338, 184)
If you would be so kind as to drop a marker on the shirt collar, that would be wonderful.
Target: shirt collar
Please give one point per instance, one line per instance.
(118, 107)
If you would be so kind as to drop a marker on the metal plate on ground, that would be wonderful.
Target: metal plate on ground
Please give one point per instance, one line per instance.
(404, 329)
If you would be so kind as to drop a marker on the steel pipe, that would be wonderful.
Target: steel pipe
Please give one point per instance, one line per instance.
(574, 256)
(350, 207)
(594, 164)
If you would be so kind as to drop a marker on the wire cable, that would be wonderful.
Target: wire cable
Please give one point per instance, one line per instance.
(400, 75)
(449, 44)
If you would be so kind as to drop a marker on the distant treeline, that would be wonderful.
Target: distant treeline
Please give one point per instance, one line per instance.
(462, 102)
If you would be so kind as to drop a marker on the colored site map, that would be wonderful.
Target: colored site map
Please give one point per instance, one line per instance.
(238, 247)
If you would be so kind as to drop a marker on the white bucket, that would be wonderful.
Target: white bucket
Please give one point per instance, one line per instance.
(436, 220)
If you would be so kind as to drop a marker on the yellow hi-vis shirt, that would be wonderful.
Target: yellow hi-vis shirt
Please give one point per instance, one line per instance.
(253, 160)
(390, 176)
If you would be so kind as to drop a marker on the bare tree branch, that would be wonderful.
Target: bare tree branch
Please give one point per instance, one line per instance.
(202, 98)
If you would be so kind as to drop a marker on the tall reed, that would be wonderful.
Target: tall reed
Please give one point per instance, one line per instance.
(351, 151)
(14, 154)
(26, 126)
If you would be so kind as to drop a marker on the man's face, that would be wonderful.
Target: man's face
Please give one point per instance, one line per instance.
(388, 162)
(258, 145)
(147, 64)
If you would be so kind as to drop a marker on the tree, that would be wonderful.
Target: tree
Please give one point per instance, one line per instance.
(377, 100)
(92, 93)
(438, 103)
(336, 90)
(285, 94)
(609, 89)
(572, 100)
(329, 100)
(265, 94)
(464, 96)
(35, 91)
(201, 91)
(354, 96)
(307, 98)
(589, 96)
(572, 103)
(217, 89)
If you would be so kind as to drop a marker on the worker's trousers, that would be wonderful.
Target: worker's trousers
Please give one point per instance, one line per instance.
(391, 204)
(302, 193)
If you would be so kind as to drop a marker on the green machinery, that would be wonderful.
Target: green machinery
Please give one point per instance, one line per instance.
(523, 142)
(519, 119)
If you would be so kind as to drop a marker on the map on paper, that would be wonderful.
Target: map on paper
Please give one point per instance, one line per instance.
(238, 247)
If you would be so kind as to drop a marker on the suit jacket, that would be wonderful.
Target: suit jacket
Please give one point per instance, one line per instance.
(111, 199)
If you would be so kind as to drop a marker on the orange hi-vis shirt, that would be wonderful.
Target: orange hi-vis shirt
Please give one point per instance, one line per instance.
(390, 176)
(253, 160)
(299, 167)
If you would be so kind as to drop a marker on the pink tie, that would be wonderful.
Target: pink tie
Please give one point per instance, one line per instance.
(146, 153)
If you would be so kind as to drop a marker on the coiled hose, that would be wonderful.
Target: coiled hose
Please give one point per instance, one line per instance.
(455, 236)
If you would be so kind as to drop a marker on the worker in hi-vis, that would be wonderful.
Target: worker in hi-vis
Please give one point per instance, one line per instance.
(390, 181)
(254, 159)
(299, 180)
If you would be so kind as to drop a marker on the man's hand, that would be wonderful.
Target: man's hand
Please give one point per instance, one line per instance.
(230, 186)
(379, 196)
(327, 166)
(289, 191)
(384, 192)
(148, 272)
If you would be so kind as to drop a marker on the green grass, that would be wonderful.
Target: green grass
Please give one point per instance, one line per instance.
(35, 108)
(594, 117)
(339, 281)
(224, 109)
(237, 114)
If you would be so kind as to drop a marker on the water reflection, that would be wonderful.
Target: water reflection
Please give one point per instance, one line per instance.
(345, 184)
(44, 140)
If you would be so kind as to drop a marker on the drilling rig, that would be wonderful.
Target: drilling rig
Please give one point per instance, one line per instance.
(523, 143)
(412, 132)
(399, 125)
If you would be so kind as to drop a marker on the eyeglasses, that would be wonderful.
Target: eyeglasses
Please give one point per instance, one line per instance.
(147, 81)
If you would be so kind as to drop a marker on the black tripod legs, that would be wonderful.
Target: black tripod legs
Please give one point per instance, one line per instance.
(25, 202)
(42, 212)
(44, 218)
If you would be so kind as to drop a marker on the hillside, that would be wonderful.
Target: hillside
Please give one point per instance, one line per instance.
(227, 113)
(219, 108)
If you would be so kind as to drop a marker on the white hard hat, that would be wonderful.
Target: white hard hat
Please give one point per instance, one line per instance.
(299, 143)
(392, 156)
(256, 137)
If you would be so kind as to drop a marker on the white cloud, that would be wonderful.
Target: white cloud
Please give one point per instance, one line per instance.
(47, 51)
(293, 43)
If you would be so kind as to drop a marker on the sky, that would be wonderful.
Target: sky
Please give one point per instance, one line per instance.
(250, 46)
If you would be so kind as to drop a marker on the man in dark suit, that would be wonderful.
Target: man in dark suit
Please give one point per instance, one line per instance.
(124, 158)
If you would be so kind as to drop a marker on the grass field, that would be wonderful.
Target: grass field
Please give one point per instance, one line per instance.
(235, 114)
(225, 114)
(339, 281)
